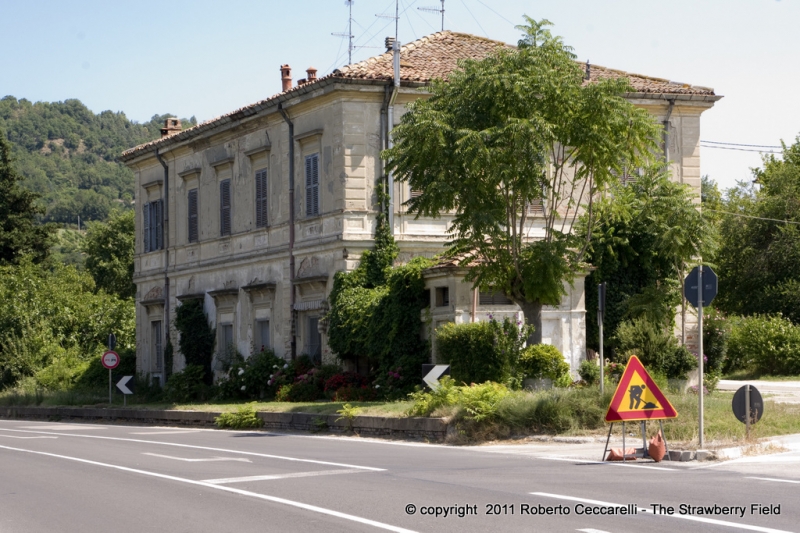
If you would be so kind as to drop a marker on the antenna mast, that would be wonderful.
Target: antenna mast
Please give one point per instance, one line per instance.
(396, 17)
(349, 33)
(435, 10)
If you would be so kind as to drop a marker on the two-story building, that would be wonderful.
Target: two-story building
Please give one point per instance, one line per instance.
(254, 212)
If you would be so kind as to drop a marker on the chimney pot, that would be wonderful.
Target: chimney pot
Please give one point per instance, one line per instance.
(312, 73)
(389, 42)
(286, 77)
(171, 127)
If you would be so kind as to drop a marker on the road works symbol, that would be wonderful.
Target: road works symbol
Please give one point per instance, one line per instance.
(110, 360)
(432, 373)
(125, 385)
(638, 397)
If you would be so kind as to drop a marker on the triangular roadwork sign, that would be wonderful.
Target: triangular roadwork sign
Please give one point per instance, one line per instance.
(638, 397)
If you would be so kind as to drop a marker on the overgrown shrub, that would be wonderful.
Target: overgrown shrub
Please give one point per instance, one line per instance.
(589, 371)
(767, 344)
(655, 346)
(250, 378)
(543, 361)
(187, 385)
(481, 351)
(480, 402)
(342, 380)
(196, 337)
(298, 392)
(716, 334)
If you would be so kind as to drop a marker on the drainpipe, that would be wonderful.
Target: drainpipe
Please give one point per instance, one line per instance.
(665, 133)
(165, 229)
(386, 96)
(390, 125)
(291, 227)
(474, 305)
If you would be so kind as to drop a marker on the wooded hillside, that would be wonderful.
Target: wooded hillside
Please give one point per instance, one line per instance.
(68, 154)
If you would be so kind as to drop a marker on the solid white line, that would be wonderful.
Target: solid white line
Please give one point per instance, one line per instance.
(209, 460)
(280, 457)
(774, 479)
(181, 432)
(609, 463)
(266, 497)
(280, 476)
(16, 437)
(648, 511)
(589, 530)
(64, 427)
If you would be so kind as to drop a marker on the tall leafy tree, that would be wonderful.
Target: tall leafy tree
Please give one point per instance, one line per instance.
(760, 251)
(517, 129)
(20, 234)
(109, 254)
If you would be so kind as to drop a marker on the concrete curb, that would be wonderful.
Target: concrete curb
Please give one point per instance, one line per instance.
(374, 426)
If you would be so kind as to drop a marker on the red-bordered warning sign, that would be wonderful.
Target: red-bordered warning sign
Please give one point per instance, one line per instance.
(638, 397)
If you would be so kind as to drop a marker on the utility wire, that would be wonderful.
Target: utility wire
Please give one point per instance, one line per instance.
(765, 151)
(750, 216)
(737, 144)
(476, 20)
(496, 13)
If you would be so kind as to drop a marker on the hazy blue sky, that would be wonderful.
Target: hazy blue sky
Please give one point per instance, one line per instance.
(205, 58)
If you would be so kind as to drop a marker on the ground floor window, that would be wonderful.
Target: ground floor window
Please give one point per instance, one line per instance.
(156, 345)
(262, 335)
(313, 339)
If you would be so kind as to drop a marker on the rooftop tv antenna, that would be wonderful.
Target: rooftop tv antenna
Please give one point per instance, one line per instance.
(396, 17)
(349, 34)
(435, 10)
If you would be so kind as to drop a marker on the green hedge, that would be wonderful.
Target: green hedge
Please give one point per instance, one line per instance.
(469, 350)
(543, 361)
(768, 344)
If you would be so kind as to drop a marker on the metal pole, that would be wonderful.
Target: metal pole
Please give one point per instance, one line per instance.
(643, 424)
(109, 386)
(666, 446)
(700, 387)
(623, 441)
(747, 410)
(601, 308)
(607, 440)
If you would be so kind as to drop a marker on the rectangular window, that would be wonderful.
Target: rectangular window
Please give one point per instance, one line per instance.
(442, 296)
(261, 198)
(262, 335)
(494, 298)
(225, 336)
(312, 185)
(193, 215)
(313, 340)
(153, 217)
(225, 207)
(156, 345)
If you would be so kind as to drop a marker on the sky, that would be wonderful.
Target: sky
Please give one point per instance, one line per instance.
(204, 58)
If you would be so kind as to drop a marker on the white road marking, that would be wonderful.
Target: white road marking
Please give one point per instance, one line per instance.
(181, 432)
(609, 463)
(774, 479)
(191, 446)
(649, 511)
(205, 460)
(62, 427)
(16, 437)
(280, 476)
(590, 530)
(265, 497)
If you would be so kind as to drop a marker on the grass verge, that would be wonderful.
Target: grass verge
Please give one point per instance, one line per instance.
(743, 375)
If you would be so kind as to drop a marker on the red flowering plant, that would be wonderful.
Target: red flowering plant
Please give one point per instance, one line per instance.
(342, 380)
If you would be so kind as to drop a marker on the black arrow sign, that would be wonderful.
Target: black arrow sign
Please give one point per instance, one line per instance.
(126, 385)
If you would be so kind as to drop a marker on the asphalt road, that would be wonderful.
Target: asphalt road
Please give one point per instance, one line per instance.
(101, 478)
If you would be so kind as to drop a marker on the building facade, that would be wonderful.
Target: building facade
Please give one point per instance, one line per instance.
(254, 212)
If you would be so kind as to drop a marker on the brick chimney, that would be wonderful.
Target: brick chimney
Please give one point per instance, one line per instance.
(311, 73)
(171, 127)
(286, 77)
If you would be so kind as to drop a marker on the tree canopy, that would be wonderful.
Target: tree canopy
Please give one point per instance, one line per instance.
(505, 134)
(760, 241)
(109, 254)
(20, 234)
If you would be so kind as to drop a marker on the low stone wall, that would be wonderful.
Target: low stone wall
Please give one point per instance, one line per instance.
(369, 426)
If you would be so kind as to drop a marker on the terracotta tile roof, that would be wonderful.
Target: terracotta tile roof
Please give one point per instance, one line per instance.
(433, 56)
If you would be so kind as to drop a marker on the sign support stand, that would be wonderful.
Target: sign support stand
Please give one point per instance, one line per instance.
(666, 447)
(109, 387)
(700, 386)
(747, 406)
(601, 309)
(623, 441)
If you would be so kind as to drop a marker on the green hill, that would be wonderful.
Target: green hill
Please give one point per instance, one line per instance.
(69, 155)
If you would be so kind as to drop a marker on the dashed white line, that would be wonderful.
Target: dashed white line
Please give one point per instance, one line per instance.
(274, 499)
(18, 437)
(649, 511)
(181, 432)
(774, 479)
(203, 460)
(589, 530)
(280, 476)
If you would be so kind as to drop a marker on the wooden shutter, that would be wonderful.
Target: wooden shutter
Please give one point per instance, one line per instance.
(261, 198)
(146, 221)
(312, 185)
(193, 215)
(494, 298)
(159, 224)
(225, 207)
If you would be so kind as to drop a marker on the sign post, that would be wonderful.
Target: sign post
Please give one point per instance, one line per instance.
(700, 287)
(601, 311)
(110, 360)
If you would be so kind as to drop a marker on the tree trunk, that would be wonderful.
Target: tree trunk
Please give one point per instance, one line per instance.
(533, 317)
